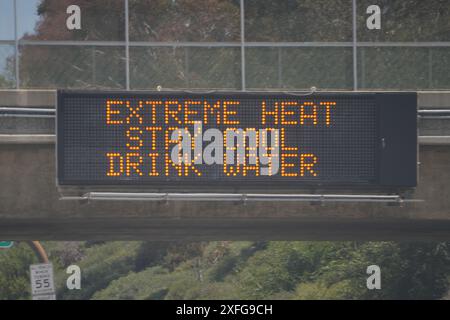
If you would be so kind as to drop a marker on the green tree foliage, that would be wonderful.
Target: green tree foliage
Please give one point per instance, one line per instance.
(152, 283)
(14, 272)
(298, 20)
(65, 253)
(4, 83)
(293, 270)
(237, 270)
(101, 265)
(7, 78)
(408, 271)
(166, 254)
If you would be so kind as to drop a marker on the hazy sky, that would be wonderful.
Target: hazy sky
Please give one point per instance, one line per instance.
(27, 17)
(6, 20)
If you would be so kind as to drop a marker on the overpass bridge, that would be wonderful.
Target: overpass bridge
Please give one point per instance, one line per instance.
(32, 207)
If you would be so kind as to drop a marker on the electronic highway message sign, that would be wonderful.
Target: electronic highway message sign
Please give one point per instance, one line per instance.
(237, 140)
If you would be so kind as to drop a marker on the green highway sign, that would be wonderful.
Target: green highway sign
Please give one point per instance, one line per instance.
(6, 244)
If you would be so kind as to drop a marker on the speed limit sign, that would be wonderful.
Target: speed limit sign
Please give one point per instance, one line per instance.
(42, 279)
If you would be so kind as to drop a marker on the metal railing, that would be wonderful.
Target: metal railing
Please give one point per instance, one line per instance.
(18, 112)
(51, 112)
(440, 114)
(239, 197)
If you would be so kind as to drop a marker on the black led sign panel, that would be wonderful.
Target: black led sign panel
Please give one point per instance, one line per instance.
(237, 140)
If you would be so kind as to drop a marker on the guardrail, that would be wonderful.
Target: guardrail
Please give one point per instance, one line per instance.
(20, 112)
(239, 197)
(51, 113)
(440, 114)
